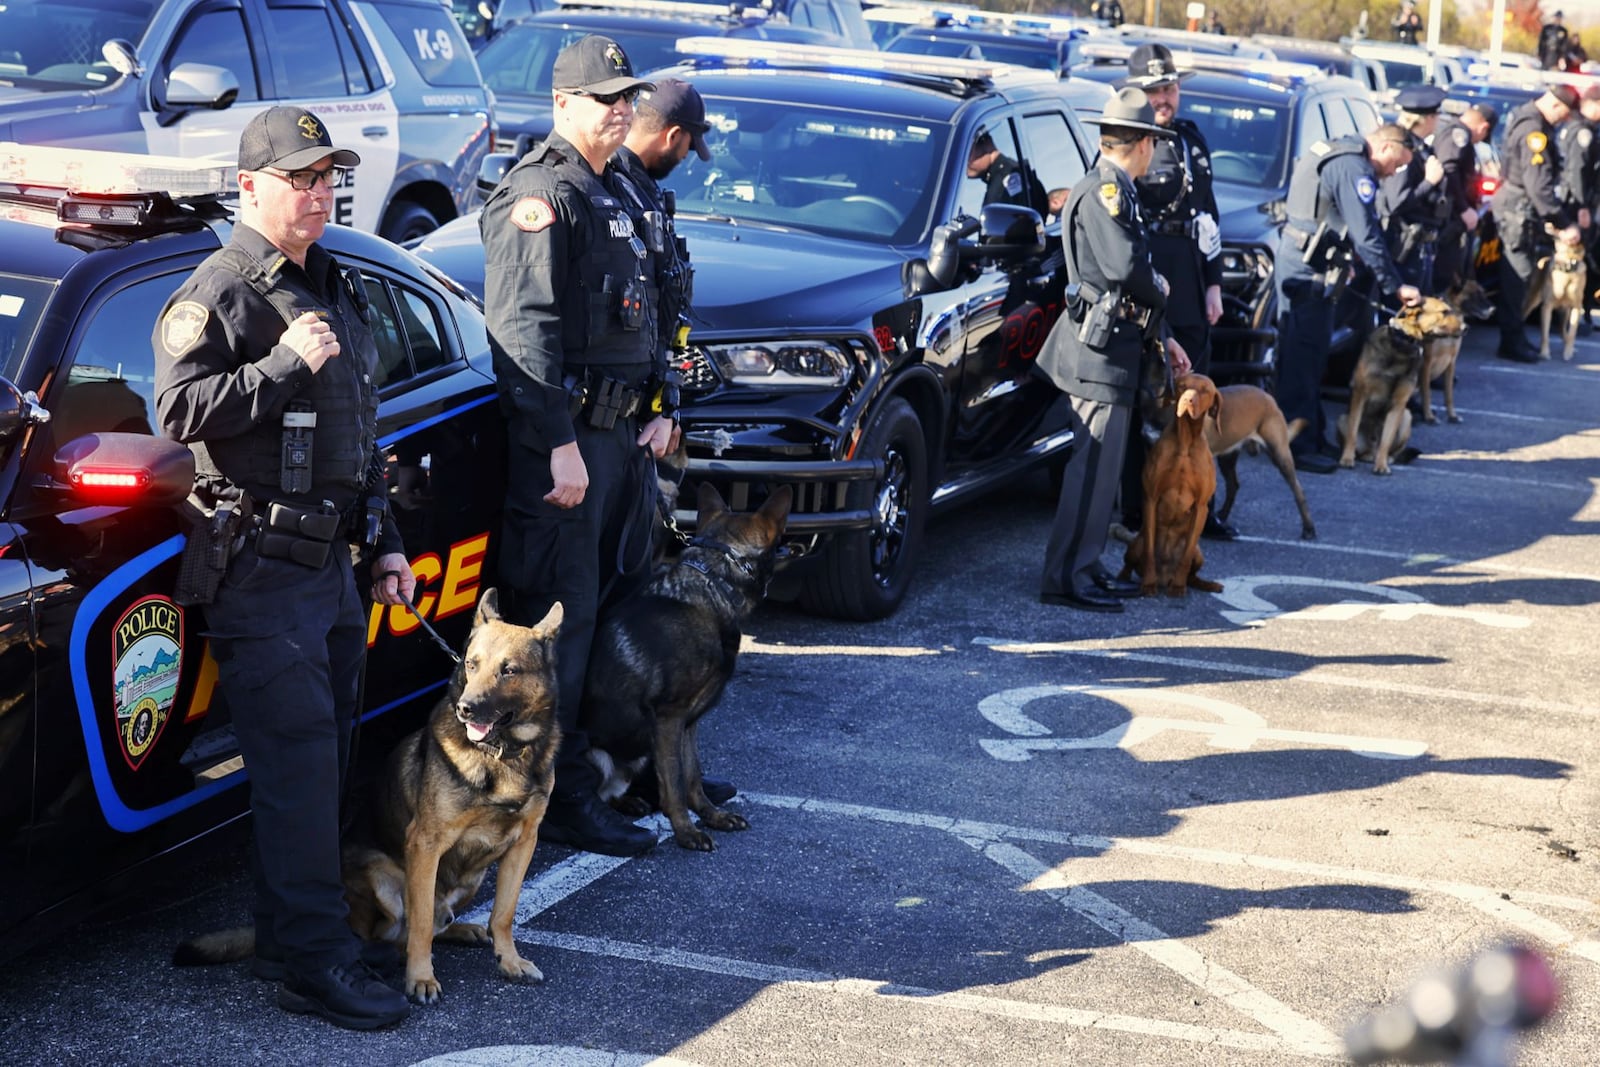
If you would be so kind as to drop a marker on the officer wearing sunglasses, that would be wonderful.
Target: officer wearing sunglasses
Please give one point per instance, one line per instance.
(571, 302)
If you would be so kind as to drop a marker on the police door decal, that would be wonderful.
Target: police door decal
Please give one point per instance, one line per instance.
(146, 663)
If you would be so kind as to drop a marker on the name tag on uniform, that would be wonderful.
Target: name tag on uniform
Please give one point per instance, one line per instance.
(318, 312)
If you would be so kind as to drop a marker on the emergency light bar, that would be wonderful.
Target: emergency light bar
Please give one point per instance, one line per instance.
(114, 173)
(841, 60)
(1022, 22)
(1276, 69)
(673, 7)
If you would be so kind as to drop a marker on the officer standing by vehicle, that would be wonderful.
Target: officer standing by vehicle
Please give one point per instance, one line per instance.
(570, 301)
(265, 369)
(1005, 180)
(1332, 210)
(1580, 176)
(1096, 351)
(1407, 24)
(1453, 143)
(1553, 43)
(1528, 200)
(1411, 200)
(1180, 212)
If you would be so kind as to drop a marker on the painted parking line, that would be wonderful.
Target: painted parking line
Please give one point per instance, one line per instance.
(1414, 559)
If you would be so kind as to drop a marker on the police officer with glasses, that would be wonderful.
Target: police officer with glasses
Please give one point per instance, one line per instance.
(1332, 213)
(265, 369)
(570, 300)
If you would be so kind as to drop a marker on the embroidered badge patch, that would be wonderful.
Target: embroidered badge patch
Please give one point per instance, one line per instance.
(146, 661)
(1013, 183)
(1585, 137)
(1366, 189)
(1460, 137)
(1537, 141)
(182, 325)
(1111, 197)
(533, 214)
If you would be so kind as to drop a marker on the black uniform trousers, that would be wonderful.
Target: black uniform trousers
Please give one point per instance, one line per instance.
(290, 642)
(1518, 250)
(1088, 491)
(1305, 330)
(588, 558)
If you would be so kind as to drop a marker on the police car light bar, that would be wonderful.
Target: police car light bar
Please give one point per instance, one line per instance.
(1023, 22)
(114, 173)
(673, 7)
(1261, 68)
(842, 60)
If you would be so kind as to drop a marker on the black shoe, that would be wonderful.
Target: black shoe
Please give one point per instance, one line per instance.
(1329, 449)
(583, 821)
(1315, 463)
(1217, 530)
(1111, 585)
(648, 789)
(1083, 601)
(1523, 354)
(269, 966)
(350, 995)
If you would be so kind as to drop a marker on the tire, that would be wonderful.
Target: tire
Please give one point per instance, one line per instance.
(864, 574)
(406, 221)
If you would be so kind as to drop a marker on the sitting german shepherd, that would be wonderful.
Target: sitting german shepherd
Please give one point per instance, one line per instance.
(1559, 283)
(465, 791)
(1378, 426)
(662, 658)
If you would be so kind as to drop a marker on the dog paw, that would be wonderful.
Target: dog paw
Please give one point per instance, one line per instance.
(1381, 470)
(1454, 417)
(464, 934)
(518, 969)
(1347, 462)
(424, 989)
(718, 819)
(1308, 534)
(694, 841)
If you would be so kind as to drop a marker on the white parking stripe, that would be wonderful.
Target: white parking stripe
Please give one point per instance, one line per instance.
(1414, 559)
(1315, 675)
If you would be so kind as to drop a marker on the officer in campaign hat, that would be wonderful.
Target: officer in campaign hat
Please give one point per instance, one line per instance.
(1097, 350)
(1411, 201)
(1453, 145)
(570, 300)
(1527, 201)
(283, 422)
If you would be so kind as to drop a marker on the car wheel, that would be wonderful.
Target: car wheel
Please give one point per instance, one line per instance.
(406, 221)
(864, 574)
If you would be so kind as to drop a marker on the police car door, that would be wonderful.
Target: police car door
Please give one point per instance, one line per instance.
(313, 54)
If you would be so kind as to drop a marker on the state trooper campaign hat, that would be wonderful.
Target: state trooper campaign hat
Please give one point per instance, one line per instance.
(1420, 99)
(1151, 65)
(595, 66)
(1129, 110)
(679, 104)
(289, 138)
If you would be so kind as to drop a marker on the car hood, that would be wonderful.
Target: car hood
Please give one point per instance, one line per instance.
(746, 278)
(26, 107)
(518, 115)
(1241, 207)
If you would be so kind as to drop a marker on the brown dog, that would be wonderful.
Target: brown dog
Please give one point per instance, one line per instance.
(1247, 414)
(1378, 424)
(1558, 285)
(1179, 479)
(1439, 354)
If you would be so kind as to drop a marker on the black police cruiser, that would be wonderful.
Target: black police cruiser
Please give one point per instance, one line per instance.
(114, 744)
(864, 324)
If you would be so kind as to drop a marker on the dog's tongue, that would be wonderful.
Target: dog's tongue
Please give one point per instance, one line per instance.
(477, 732)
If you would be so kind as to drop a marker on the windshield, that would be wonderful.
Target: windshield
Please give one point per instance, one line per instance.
(849, 174)
(22, 302)
(1249, 140)
(520, 60)
(54, 47)
(1038, 56)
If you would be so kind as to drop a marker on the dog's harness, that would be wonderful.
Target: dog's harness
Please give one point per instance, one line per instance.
(750, 568)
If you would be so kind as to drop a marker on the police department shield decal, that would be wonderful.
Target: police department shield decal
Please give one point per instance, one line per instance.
(1366, 189)
(146, 661)
(181, 326)
(532, 214)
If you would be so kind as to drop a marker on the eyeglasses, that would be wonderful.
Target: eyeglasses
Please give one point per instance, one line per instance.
(303, 180)
(609, 99)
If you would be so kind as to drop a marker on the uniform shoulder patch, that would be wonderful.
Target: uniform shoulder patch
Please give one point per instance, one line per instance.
(1366, 189)
(1585, 137)
(1013, 183)
(1537, 140)
(1460, 137)
(1111, 197)
(533, 214)
(182, 325)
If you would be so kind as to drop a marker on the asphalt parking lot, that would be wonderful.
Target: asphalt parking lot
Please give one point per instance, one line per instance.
(986, 831)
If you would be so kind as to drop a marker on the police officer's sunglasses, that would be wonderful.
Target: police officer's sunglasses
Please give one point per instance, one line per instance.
(303, 180)
(609, 99)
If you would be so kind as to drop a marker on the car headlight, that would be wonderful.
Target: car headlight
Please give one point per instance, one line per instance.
(803, 365)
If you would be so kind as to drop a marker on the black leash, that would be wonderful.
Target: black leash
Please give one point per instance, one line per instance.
(431, 632)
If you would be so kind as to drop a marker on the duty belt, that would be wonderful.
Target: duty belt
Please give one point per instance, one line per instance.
(601, 400)
(1174, 228)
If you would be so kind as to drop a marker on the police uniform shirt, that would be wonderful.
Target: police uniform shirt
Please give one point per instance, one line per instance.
(1406, 197)
(1452, 146)
(1007, 183)
(1177, 189)
(645, 194)
(1579, 149)
(1530, 170)
(555, 236)
(1346, 190)
(223, 380)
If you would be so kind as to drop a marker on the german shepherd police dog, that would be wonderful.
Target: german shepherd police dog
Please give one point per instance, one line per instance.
(662, 657)
(1559, 283)
(1439, 355)
(465, 791)
(1378, 425)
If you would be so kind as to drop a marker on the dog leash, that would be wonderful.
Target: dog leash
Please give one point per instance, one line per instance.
(429, 630)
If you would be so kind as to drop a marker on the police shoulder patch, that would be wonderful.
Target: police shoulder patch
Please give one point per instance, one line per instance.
(1537, 140)
(1013, 183)
(1585, 137)
(1366, 189)
(532, 213)
(1111, 197)
(182, 325)
(1460, 137)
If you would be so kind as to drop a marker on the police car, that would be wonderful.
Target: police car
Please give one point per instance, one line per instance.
(864, 322)
(393, 79)
(114, 743)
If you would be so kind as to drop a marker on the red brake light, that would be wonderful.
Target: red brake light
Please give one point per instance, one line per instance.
(109, 478)
(1487, 185)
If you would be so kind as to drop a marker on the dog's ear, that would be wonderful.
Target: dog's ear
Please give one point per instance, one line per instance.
(1216, 404)
(488, 607)
(546, 628)
(776, 508)
(711, 503)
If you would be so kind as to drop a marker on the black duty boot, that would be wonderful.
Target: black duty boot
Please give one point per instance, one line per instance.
(584, 821)
(350, 995)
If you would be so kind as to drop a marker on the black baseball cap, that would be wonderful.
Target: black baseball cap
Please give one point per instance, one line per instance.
(679, 104)
(289, 138)
(596, 66)
(1490, 114)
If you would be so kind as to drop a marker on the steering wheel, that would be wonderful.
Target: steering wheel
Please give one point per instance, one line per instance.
(892, 212)
(1232, 166)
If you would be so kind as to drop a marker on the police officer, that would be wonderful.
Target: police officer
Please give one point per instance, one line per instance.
(1005, 180)
(570, 303)
(1406, 23)
(1528, 199)
(265, 369)
(1580, 172)
(1553, 43)
(1096, 351)
(1411, 200)
(1452, 145)
(1180, 213)
(1332, 210)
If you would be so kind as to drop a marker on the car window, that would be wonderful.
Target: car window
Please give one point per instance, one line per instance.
(216, 37)
(1053, 150)
(111, 383)
(1249, 139)
(1335, 118)
(408, 330)
(22, 302)
(426, 34)
(55, 46)
(1366, 115)
(302, 66)
(976, 190)
(521, 59)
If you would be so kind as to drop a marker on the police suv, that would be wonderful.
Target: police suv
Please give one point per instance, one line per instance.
(114, 744)
(865, 314)
(393, 79)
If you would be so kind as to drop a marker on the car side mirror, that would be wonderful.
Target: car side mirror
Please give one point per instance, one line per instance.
(1007, 231)
(125, 469)
(197, 87)
(494, 168)
(18, 411)
(945, 255)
